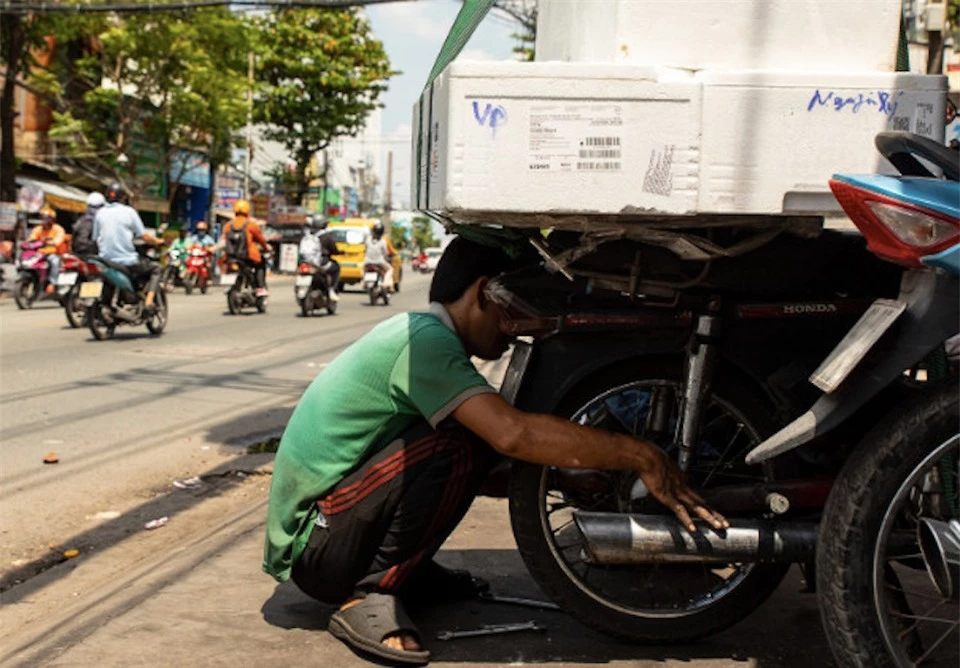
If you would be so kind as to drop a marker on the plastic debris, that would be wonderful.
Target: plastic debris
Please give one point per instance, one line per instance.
(107, 515)
(188, 483)
(70, 554)
(51, 458)
(157, 523)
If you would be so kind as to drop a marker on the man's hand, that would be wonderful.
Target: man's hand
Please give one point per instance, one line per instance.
(666, 483)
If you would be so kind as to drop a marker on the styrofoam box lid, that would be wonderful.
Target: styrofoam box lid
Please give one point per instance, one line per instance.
(787, 79)
(511, 69)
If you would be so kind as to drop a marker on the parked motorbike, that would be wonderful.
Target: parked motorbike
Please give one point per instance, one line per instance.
(242, 292)
(373, 284)
(73, 273)
(33, 269)
(697, 334)
(118, 299)
(173, 270)
(197, 271)
(312, 289)
(888, 558)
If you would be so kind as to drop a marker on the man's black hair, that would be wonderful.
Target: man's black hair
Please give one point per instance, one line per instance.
(462, 263)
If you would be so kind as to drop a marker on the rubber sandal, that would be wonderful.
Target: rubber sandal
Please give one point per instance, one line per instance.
(434, 583)
(365, 625)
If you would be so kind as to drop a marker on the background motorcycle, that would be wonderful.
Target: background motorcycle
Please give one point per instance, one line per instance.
(116, 299)
(33, 276)
(373, 284)
(242, 290)
(312, 290)
(172, 275)
(888, 558)
(197, 271)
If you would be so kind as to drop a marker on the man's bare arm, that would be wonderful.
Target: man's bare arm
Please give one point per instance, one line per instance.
(553, 441)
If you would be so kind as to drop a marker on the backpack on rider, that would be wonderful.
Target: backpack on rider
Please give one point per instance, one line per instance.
(235, 244)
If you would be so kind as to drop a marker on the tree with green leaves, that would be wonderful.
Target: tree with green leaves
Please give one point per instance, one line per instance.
(156, 86)
(320, 72)
(421, 231)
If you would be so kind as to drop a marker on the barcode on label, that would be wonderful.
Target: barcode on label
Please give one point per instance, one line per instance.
(601, 141)
(600, 153)
(599, 166)
(901, 124)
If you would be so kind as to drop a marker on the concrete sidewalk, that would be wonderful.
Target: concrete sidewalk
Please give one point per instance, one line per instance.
(203, 601)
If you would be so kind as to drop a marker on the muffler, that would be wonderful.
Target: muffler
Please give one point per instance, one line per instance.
(940, 546)
(616, 538)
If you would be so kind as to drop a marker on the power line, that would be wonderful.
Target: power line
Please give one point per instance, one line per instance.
(51, 7)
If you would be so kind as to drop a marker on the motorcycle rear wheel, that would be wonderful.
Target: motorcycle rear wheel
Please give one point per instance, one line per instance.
(189, 282)
(261, 304)
(657, 603)
(372, 293)
(306, 307)
(74, 308)
(158, 321)
(881, 609)
(25, 293)
(98, 325)
(233, 301)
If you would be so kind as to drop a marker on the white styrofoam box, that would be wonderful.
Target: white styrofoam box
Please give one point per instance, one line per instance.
(840, 35)
(577, 138)
(771, 140)
(532, 137)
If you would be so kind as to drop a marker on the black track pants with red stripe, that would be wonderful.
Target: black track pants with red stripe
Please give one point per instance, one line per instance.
(392, 514)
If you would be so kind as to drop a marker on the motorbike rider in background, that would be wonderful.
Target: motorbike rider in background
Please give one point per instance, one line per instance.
(180, 243)
(318, 248)
(82, 242)
(115, 227)
(52, 236)
(379, 252)
(202, 237)
(254, 242)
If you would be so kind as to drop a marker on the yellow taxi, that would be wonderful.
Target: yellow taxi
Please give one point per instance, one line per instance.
(350, 236)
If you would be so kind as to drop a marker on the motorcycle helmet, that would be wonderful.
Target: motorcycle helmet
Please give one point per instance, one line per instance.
(377, 230)
(47, 214)
(202, 227)
(95, 200)
(116, 193)
(318, 223)
(241, 207)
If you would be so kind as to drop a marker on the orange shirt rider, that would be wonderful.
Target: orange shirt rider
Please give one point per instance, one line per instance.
(255, 238)
(49, 232)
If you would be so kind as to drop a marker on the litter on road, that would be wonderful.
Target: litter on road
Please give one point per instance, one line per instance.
(188, 483)
(157, 523)
(51, 458)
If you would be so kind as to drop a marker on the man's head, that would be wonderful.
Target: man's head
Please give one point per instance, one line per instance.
(94, 202)
(377, 230)
(47, 217)
(116, 193)
(459, 283)
(241, 207)
(182, 233)
(318, 223)
(202, 228)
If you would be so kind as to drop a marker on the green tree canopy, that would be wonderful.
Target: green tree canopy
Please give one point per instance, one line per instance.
(320, 72)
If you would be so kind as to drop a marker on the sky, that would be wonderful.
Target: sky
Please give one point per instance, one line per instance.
(412, 34)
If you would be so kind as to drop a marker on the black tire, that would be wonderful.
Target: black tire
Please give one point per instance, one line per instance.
(306, 307)
(233, 301)
(203, 286)
(74, 308)
(158, 321)
(331, 307)
(372, 293)
(530, 528)
(261, 304)
(98, 327)
(24, 294)
(385, 296)
(852, 520)
(189, 282)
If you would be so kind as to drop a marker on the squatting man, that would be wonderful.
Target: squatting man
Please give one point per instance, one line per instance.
(390, 444)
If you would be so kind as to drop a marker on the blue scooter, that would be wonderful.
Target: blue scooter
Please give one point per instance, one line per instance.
(888, 551)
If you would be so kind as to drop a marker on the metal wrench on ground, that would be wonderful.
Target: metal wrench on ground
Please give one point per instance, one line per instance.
(489, 630)
(513, 600)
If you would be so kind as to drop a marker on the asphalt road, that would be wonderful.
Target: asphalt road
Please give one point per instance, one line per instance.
(128, 416)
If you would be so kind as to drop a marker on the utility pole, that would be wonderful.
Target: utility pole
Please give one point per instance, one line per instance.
(247, 161)
(388, 191)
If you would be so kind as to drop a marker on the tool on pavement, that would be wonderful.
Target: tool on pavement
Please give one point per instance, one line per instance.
(490, 629)
(526, 602)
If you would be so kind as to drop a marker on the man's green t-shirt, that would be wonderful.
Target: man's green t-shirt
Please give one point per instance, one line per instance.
(410, 368)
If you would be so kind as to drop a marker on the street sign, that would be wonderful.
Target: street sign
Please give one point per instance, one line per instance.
(30, 197)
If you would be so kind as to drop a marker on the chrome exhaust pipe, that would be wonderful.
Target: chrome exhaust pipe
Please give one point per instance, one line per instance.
(616, 538)
(940, 547)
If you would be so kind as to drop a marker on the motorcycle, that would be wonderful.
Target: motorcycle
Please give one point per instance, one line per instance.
(242, 292)
(173, 270)
(697, 334)
(33, 269)
(73, 273)
(373, 284)
(118, 299)
(420, 263)
(888, 558)
(312, 289)
(197, 272)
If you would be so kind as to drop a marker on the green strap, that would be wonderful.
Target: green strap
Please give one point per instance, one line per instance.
(471, 14)
(903, 52)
